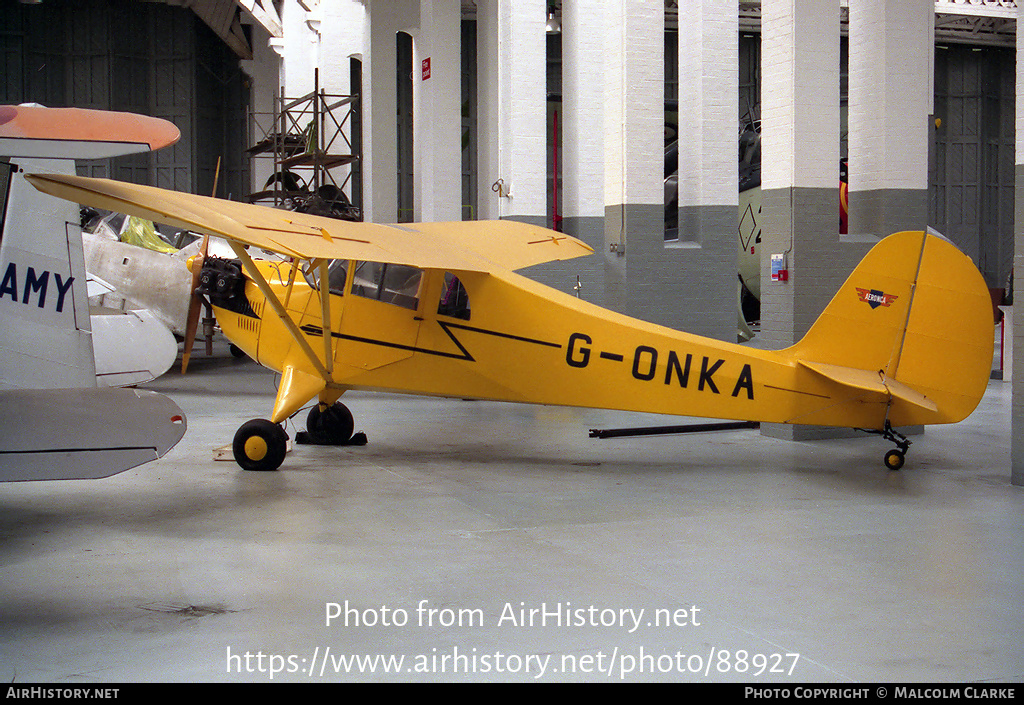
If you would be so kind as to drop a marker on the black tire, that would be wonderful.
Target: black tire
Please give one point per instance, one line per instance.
(894, 459)
(236, 351)
(331, 426)
(260, 445)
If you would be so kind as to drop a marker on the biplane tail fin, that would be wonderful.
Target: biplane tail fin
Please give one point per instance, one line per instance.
(912, 322)
(45, 329)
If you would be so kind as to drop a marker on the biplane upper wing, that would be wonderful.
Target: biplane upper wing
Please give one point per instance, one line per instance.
(481, 246)
(77, 133)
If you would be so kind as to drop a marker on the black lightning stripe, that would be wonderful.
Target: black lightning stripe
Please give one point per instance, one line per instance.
(463, 353)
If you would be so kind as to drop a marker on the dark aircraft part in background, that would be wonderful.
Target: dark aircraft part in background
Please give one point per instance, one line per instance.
(328, 200)
(844, 196)
(669, 430)
(750, 305)
(750, 155)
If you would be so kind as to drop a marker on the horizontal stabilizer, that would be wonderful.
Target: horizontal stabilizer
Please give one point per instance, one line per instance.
(66, 434)
(876, 384)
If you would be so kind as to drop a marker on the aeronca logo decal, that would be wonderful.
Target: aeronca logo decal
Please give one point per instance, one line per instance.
(875, 298)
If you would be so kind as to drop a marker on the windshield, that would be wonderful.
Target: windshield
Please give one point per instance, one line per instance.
(396, 284)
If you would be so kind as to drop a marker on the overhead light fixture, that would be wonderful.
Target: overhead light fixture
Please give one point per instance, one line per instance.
(554, 26)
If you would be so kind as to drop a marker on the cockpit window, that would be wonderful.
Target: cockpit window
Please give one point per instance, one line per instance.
(454, 299)
(337, 270)
(396, 284)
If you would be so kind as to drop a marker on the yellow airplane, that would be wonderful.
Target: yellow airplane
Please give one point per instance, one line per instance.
(437, 309)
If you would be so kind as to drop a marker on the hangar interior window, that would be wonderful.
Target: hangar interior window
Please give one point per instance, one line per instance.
(454, 298)
(396, 284)
(337, 270)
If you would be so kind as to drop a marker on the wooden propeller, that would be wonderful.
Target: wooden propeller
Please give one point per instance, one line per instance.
(195, 304)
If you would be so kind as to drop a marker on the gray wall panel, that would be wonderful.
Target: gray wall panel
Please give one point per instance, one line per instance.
(972, 191)
(139, 57)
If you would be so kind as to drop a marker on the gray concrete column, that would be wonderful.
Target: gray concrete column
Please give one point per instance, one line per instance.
(634, 88)
(690, 285)
(488, 110)
(707, 250)
(708, 108)
(800, 172)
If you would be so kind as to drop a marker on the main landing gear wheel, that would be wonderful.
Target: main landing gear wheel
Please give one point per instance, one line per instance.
(260, 445)
(330, 425)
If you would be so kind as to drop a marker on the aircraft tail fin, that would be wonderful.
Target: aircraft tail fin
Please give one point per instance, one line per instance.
(45, 330)
(913, 323)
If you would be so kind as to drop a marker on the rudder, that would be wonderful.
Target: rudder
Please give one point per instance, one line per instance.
(917, 313)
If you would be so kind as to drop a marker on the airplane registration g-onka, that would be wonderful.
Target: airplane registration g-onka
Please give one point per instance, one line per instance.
(437, 309)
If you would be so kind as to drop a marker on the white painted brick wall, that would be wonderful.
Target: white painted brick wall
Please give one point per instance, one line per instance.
(891, 92)
(438, 112)
(800, 85)
(301, 50)
(522, 67)
(634, 102)
(708, 104)
(342, 32)
(583, 100)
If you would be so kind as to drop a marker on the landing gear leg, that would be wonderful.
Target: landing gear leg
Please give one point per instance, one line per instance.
(895, 458)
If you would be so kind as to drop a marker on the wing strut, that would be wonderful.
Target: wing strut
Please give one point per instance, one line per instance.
(253, 271)
(325, 309)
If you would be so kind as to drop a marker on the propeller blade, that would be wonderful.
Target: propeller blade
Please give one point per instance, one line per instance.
(195, 304)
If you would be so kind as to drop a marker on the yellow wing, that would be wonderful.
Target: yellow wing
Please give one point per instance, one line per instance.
(481, 246)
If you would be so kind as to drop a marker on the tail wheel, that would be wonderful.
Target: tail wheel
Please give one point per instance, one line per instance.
(894, 459)
(330, 425)
(260, 445)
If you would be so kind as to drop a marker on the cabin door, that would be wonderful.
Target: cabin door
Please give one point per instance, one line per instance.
(380, 321)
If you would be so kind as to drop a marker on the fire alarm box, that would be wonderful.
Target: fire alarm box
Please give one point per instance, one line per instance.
(780, 272)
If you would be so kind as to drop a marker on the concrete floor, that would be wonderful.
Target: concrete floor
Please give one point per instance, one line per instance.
(772, 561)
